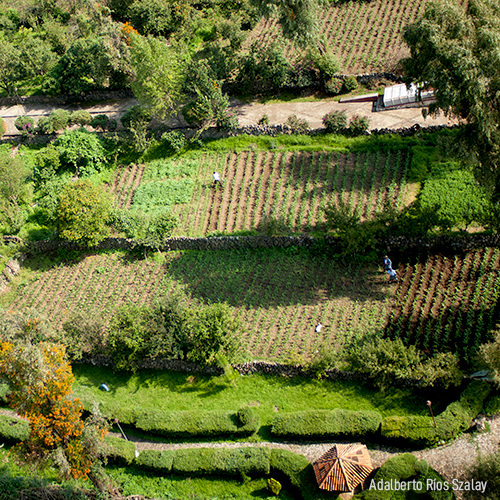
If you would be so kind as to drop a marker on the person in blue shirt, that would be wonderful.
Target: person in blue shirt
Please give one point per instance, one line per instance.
(387, 263)
(393, 277)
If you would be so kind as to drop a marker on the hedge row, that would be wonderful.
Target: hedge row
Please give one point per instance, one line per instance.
(457, 418)
(327, 423)
(13, 429)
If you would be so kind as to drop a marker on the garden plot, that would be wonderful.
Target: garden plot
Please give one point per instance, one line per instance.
(448, 304)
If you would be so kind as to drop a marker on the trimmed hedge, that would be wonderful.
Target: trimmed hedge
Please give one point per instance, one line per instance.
(154, 459)
(327, 423)
(119, 451)
(197, 423)
(299, 471)
(13, 429)
(403, 468)
(455, 419)
(234, 462)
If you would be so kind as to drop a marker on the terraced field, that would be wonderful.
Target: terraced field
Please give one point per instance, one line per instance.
(293, 186)
(366, 36)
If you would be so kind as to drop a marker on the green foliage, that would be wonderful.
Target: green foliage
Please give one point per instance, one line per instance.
(274, 486)
(135, 115)
(325, 61)
(492, 406)
(335, 122)
(82, 151)
(155, 459)
(82, 212)
(59, 120)
(14, 193)
(84, 335)
(264, 120)
(26, 125)
(489, 354)
(326, 423)
(103, 123)
(211, 329)
(10, 67)
(13, 430)
(486, 468)
(194, 423)
(334, 86)
(153, 17)
(166, 168)
(455, 419)
(80, 117)
(158, 74)
(385, 361)
(3, 127)
(358, 125)
(298, 125)
(174, 140)
(350, 83)
(119, 451)
(234, 462)
(454, 195)
(162, 194)
(422, 158)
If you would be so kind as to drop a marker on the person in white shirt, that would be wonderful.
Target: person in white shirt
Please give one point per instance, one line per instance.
(217, 181)
(318, 328)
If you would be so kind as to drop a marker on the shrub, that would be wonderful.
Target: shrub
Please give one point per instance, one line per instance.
(195, 423)
(84, 335)
(47, 164)
(492, 406)
(135, 115)
(246, 415)
(119, 451)
(59, 119)
(175, 140)
(26, 125)
(334, 86)
(264, 120)
(298, 125)
(80, 117)
(455, 419)
(350, 83)
(359, 125)
(131, 223)
(335, 122)
(326, 423)
(274, 486)
(103, 122)
(43, 125)
(13, 429)
(3, 127)
(234, 462)
(155, 459)
(486, 469)
(422, 158)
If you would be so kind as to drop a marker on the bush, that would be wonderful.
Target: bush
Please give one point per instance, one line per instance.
(326, 423)
(47, 164)
(274, 486)
(195, 423)
(84, 335)
(26, 125)
(133, 224)
(335, 122)
(59, 119)
(492, 406)
(80, 117)
(359, 125)
(350, 83)
(246, 415)
(135, 115)
(298, 125)
(13, 429)
(3, 127)
(154, 459)
(486, 469)
(103, 122)
(334, 86)
(119, 451)
(264, 120)
(43, 125)
(234, 462)
(422, 158)
(174, 140)
(456, 418)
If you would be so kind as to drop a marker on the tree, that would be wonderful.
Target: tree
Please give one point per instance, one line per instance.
(455, 51)
(82, 213)
(158, 74)
(299, 19)
(489, 356)
(10, 69)
(14, 192)
(40, 382)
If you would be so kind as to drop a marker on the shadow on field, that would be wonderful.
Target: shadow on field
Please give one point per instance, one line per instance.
(275, 277)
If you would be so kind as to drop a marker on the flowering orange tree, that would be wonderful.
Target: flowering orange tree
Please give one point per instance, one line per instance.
(40, 380)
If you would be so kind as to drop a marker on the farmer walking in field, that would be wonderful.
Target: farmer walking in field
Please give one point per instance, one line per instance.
(217, 181)
(387, 264)
(393, 277)
(318, 328)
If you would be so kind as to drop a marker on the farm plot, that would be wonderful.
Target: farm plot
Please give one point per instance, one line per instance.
(280, 296)
(258, 186)
(448, 304)
(365, 36)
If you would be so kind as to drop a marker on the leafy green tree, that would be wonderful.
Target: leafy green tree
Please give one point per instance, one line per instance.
(36, 57)
(299, 19)
(156, 17)
(81, 150)
(14, 192)
(82, 213)
(10, 69)
(158, 74)
(454, 50)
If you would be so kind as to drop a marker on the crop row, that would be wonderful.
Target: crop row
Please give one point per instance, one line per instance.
(448, 304)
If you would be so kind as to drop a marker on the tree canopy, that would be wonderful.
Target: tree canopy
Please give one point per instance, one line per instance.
(455, 50)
